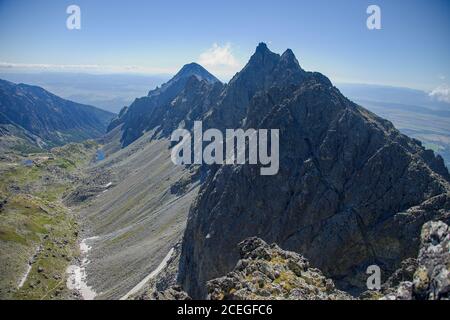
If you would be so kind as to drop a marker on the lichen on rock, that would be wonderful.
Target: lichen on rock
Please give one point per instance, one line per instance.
(266, 272)
(431, 279)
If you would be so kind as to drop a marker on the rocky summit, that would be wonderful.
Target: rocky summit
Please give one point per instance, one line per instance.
(267, 272)
(352, 191)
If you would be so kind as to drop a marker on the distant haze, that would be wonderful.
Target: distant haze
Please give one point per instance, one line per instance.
(110, 92)
(413, 112)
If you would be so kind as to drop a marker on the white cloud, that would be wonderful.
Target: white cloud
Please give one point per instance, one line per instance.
(441, 93)
(218, 56)
(84, 68)
(220, 60)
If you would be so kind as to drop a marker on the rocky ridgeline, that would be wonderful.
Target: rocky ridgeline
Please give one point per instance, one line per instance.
(187, 96)
(46, 119)
(264, 272)
(268, 272)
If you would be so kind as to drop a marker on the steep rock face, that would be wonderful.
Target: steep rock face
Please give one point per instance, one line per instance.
(351, 191)
(182, 98)
(54, 120)
(265, 272)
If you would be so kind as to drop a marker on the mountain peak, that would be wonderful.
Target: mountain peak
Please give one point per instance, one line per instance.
(289, 59)
(263, 50)
(177, 83)
(288, 54)
(262, 47)
(263, 56)
(194, 69)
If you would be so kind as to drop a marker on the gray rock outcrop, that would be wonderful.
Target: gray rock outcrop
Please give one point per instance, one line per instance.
(265, 272)
(172, 293)
(431, 278)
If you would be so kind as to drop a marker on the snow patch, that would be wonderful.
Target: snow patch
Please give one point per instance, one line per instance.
(77, 279)
(24, 277)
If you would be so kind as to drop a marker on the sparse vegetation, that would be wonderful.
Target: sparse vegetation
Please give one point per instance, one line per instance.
(35, 227)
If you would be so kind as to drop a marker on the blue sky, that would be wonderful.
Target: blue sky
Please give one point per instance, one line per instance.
(152, 36)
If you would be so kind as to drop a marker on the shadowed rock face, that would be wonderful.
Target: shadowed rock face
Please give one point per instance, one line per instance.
(351, 191)
(184, 97)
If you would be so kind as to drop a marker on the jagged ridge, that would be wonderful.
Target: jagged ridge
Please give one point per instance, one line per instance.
(351, 191)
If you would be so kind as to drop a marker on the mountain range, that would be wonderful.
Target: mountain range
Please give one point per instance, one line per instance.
(110, 92)
(46, 119)
(352, 191)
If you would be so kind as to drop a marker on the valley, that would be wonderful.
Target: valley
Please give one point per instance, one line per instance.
(38, 232)
(138, 219)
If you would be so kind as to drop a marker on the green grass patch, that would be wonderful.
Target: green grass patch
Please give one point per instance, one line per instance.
(8, 234)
